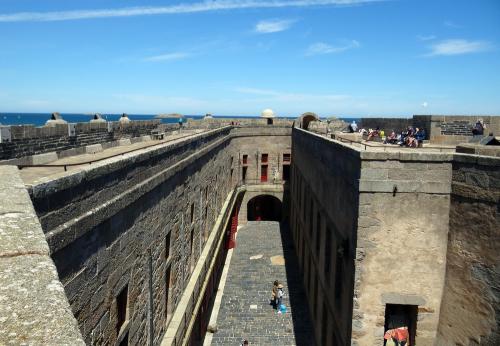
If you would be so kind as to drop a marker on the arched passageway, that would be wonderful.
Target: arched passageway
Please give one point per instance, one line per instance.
(264, 208)
(306, 118)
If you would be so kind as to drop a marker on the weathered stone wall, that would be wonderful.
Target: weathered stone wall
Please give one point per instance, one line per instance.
(402, 239)
(33, 307)
(106, 224)
(30, 140)
(454, 129)
(386, 124)
(107, 227)
(478, 149)
(470, 310)
(324, 211)
(388, 216)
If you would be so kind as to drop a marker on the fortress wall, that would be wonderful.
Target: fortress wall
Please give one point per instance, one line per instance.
(33, 307)
(252, 142)
(454, 129)
(107, 226)
(112, 225)
(470, 310)
(440, 129)
(29, 140)
(402, 240)
(392, 243)
(324, 209)
(71, 195)
(386, 124)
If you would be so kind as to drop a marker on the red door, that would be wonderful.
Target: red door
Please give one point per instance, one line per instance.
(263, 173)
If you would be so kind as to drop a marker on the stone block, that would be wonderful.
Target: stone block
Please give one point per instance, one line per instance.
(122, 142)
(94, 148)
(403, 299)
(42, 159)
(374, 173)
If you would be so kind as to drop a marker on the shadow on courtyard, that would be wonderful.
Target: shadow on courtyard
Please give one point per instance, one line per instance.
(301, 317)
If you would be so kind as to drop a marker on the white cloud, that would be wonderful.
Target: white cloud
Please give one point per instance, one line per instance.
(203, 6)
(270, 26)
(168, 57)
(426, 37)
(450, 24)
(458, 47)
(325, 48)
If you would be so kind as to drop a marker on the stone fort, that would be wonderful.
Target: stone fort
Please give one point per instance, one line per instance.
(142, 233)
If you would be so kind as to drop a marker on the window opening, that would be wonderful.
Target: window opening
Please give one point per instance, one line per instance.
(263, 173)
(167, 246)
(121, 306)
(244, 174)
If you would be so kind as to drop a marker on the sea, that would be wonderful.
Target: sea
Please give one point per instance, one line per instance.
(39, 119)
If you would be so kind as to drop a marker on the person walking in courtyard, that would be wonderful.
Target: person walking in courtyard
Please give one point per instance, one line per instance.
(274, 293)
(279, 296)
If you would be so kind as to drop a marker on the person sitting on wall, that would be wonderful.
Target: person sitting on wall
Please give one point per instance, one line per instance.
(354, 126)
(373, 133)
(420, 136)
(391, 139)
(478, 130)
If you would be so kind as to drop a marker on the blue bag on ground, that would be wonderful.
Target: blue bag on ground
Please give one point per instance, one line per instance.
(282, 308)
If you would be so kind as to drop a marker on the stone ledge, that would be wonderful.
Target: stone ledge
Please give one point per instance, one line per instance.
(405, 186)
(94, 148)
(42, 159)
(33, 306)
(20, 230)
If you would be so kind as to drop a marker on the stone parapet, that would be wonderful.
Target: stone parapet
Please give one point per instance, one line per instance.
(33, 307)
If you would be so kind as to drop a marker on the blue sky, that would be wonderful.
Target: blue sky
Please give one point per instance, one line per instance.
(237, 57)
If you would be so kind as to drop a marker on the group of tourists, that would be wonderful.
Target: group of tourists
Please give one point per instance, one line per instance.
(410, 137)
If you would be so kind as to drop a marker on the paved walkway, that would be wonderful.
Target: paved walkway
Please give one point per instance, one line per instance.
(245, 312)
(32, 174)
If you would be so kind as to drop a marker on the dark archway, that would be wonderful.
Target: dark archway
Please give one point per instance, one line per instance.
(264, 208)
(306, 118)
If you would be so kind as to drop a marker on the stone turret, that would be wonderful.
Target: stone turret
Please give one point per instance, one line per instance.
(55, 119)
(124, 118)
(97, 118)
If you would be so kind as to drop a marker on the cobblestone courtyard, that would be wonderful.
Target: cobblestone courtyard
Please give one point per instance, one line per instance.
(261, 256)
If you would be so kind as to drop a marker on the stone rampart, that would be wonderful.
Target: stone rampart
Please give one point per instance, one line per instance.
(114, 226)
(386, 124)
(33, 307)
(440, 129)
(324, 209)
(29, 140)
(470, 310)
(108, 224)
(387, 215)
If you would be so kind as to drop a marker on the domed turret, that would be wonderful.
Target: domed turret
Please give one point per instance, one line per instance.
(55, 119)
(124, 118)
(267, 113)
